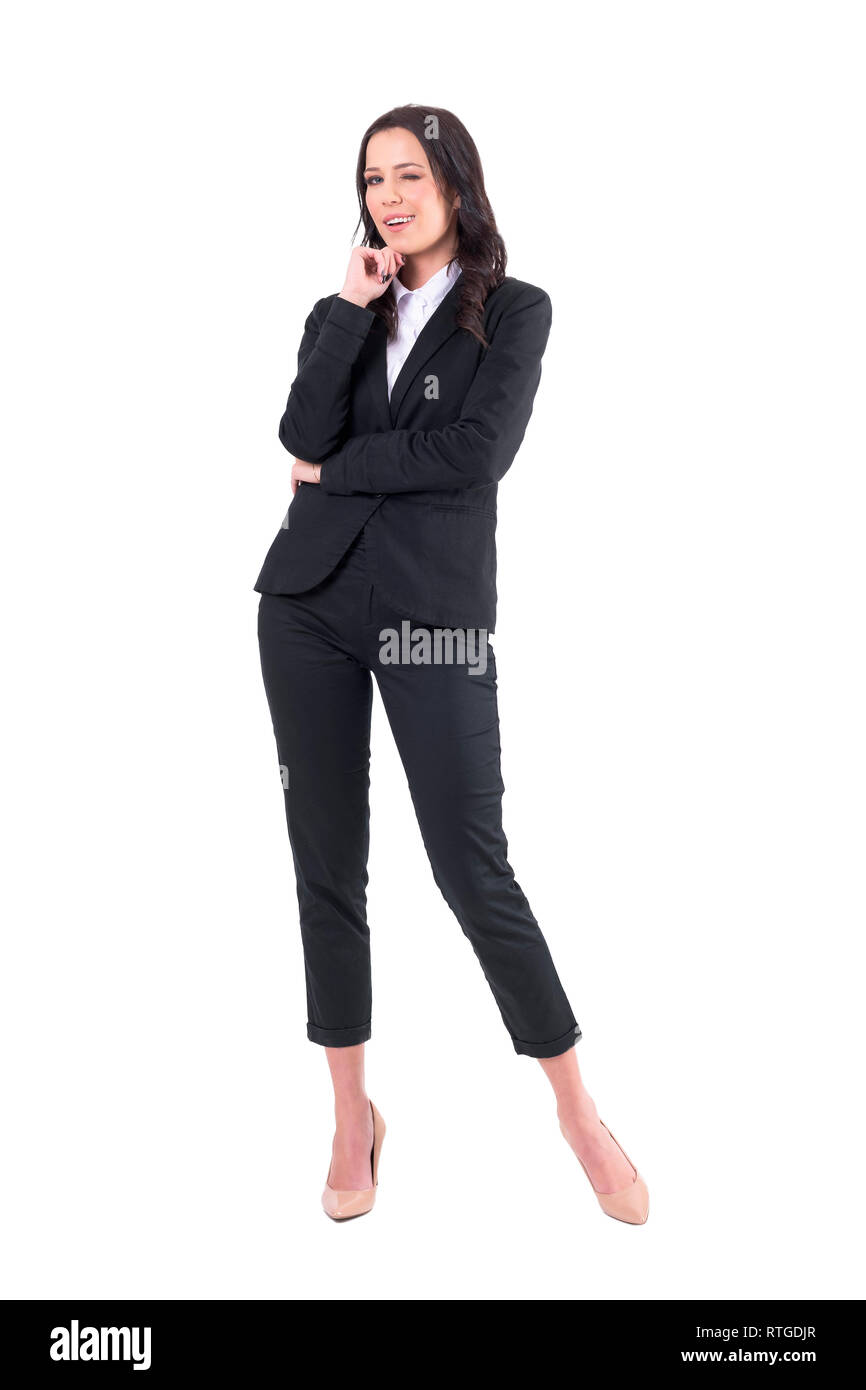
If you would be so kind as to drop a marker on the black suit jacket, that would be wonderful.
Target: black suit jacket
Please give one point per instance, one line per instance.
(422, 469)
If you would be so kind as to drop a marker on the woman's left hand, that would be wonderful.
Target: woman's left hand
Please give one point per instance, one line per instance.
(304, 473)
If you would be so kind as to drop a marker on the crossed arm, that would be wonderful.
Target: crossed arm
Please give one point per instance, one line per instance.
(474, 451)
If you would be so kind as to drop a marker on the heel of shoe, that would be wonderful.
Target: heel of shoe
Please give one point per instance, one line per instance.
(378, 1139)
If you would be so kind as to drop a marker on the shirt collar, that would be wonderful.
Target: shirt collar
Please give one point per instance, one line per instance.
(431, 294)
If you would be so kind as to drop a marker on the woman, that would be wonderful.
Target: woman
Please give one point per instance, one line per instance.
(414, 388)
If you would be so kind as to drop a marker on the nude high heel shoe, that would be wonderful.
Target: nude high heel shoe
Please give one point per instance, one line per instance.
(631, 1203)
(342, 1206)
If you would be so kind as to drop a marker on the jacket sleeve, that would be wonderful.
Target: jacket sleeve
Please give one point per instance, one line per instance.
(478, 448)
(315, 415)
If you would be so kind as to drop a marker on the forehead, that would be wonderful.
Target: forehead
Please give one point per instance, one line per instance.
(389, 147)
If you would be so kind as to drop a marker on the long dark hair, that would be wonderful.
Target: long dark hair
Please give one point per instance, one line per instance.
(455, 164)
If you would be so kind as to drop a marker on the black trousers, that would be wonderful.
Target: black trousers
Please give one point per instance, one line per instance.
(319, 653)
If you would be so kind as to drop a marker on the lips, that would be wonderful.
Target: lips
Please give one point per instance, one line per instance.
(398, 222)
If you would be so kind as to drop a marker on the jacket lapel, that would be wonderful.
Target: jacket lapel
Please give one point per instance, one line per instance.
(436, 331)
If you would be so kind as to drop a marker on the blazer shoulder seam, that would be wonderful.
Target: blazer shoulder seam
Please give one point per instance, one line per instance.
(525, 296)
(523, 288)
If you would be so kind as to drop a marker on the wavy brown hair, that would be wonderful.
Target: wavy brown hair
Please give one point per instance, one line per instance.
(455, 164)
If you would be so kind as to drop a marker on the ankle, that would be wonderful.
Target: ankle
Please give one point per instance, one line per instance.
(352, 1110)
(577, 1111)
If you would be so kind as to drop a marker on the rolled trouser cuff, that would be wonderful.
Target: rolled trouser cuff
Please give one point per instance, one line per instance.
(339, 1037)
(554, 1048)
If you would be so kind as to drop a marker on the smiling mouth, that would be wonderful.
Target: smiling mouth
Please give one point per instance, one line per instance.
(396, 222)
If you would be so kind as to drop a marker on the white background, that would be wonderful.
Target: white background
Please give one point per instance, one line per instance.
(679, 648)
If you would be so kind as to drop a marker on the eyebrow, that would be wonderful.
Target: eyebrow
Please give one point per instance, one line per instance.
(374, 168)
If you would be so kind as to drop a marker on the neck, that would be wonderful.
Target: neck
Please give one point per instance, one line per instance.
(423, 265)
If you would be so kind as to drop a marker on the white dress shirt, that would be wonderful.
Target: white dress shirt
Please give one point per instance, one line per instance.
(414, 308)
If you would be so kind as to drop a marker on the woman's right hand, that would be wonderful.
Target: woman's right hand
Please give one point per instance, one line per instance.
(364, 276)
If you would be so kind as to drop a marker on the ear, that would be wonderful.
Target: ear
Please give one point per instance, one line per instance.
(456, 203)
